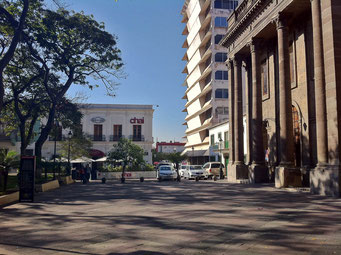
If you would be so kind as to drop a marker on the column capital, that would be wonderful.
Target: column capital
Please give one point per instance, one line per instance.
(229, 64)
(237, 60)
(280, 20)
(254, 44)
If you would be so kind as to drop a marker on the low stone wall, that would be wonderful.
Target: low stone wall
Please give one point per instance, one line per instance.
(10, 198)
(128, 175)
(66, 180)
(50, 185)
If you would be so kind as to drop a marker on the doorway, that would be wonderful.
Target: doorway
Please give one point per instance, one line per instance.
(297, 136)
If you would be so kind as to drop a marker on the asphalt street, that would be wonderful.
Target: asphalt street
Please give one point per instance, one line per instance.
(153, 218)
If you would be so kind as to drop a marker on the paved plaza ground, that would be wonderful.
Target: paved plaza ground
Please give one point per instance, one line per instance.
(154, 218)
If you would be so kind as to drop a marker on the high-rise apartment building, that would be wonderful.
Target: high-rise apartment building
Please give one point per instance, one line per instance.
(206, 80)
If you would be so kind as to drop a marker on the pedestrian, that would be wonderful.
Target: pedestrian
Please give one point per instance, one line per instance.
(87, 172)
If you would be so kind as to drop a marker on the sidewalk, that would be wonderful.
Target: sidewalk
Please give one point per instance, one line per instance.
(204, 217)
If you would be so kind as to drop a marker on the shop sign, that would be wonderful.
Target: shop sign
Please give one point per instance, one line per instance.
(137, 121)
(98, 120)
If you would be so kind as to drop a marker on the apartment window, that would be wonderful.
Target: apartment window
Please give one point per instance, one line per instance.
(98, 132)
(225, 4)
(292, 63)
(220, 57)
(218, 38)
(221, 75)
(208, 79)
(212, 139)
(221, 93)
(219, 136)
(137, 132)
(220, 22)
(117, 132)
(221, 111)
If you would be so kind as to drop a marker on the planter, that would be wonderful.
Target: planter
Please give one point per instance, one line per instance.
(47, 186)
(10, 198)
(128, 175)
(66, 180)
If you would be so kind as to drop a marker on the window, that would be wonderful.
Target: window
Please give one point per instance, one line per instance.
(117, 132)
(264, 78)
(98, 132)
(221, 111)
(219, 136)
(212, 139)
(218, 38)
(225, 4)
(137, 132)
(220, 22)
(292, 63)
(221, 93)
(220, 57)
(221, 75)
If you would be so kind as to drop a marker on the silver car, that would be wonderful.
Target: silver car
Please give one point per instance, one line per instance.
(166, 172)
(194, 171)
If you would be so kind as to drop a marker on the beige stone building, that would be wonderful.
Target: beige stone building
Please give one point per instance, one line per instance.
(206, 93)
(291, 52)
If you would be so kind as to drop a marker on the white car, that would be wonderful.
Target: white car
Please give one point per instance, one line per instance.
(166, 172)
(194, 171)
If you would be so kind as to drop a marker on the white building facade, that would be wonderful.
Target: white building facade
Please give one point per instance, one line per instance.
(105, 125)
(206, 81)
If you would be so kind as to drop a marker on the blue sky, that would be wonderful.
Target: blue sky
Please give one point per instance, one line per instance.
(149, 36)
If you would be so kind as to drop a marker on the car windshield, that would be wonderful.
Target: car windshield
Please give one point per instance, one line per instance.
(216, 165)
(165, 168)
(183, 167)
(195, 168)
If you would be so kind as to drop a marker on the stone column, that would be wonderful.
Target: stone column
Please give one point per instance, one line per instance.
(238, 112)
(320, 87)
(231, 110)
(238, 169)
(286, 174)
(248, 104)
(258, 170)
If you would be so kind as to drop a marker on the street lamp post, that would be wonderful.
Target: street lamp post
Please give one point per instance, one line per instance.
(192, 155)
(68, 154)
(55, 148)
(221, 159)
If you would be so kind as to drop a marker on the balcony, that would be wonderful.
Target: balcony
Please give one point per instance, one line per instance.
(115, 138)
(216, 147)
(138, 138)
(97, 138)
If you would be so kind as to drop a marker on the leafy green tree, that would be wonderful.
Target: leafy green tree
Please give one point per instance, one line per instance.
(8, 159)
(70, 47)
(127, 152)
(12, 21)
(79, 144)
(158, 156)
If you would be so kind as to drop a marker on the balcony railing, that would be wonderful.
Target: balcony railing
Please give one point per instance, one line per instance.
(139, 138)
(97, 138)
(216, 146)
(115, 138)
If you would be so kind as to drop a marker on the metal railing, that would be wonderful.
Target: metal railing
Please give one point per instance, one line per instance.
(139, 138)
(114, 138)
(97, 138)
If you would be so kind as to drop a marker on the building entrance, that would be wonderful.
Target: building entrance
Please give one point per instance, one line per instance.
(297, 136)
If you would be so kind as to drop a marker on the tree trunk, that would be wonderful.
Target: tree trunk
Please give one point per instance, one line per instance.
(42, 138)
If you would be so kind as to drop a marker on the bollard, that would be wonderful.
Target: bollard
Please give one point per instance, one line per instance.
(141, 179)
